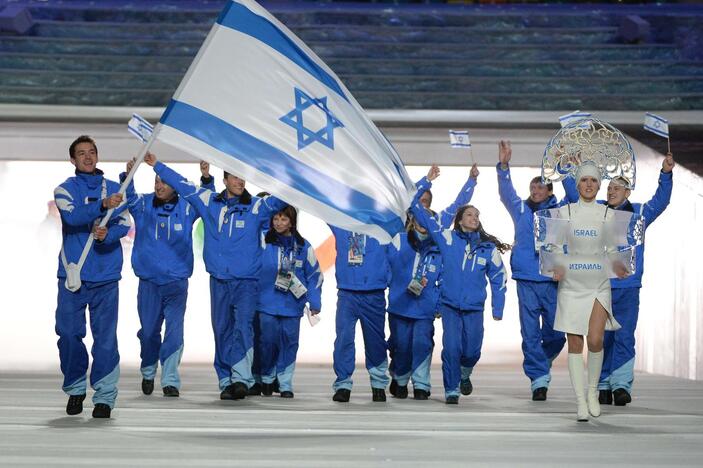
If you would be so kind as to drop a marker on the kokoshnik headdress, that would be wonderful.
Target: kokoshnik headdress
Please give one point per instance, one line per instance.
(589, 141)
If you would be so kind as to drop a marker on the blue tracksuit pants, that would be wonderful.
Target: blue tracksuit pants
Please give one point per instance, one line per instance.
(156, 304)
(412, 350)
(102, 302)
(541, 344)
(462, 338)
(278, 349)
(232, 310)
(619, 346)
(369, 308)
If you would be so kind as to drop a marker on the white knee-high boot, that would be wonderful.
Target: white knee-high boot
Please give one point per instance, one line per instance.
(595, 363)
(576, 374)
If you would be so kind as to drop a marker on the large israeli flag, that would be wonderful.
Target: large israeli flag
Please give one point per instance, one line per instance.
(259, 103)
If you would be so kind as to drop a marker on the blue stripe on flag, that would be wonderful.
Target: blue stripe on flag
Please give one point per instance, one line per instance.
(574, 116)
(657, 131)
(278, 164)
(656, 117)
(240, 18)
(143, 121)
(136, 133)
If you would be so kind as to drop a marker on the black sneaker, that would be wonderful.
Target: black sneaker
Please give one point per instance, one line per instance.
(605, 397)
(171, 391)
(401, 392)
(379, 394)
(276, 386)
(420, 394)
(621, 397)
(452, 400)
(228, 393)
(102, 411)
(267, 389)
(466, 387)
(75, 404)
(254, 390)
(539, 394)
(147, 386)
(393, 388)
(342, 395)
(286, 394)
(239, 390)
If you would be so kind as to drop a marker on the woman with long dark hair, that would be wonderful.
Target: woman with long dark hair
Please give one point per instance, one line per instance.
(471, 259)
(290, 277)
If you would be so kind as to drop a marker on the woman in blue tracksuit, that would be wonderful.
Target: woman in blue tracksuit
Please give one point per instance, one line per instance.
(290, 276)
(470, 257)
(416, 264)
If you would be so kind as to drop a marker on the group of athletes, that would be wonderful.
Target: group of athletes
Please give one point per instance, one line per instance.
(264, 276)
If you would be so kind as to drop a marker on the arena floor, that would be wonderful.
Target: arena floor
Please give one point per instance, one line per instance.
(498, 425)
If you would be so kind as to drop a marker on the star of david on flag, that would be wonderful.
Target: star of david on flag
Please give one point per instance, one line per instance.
(258, 102)
(296, 120)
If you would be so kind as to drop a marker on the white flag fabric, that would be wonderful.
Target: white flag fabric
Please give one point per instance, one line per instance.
(140, 128)
(656, 124)
(568, 119)
(259, 103)
(459, 139)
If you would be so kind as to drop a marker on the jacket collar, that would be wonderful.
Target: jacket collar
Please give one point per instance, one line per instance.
(92, 180)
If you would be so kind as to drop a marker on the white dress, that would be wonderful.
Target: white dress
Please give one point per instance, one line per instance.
(586, 277)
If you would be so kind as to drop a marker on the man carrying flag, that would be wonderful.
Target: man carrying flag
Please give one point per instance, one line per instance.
(82, 202)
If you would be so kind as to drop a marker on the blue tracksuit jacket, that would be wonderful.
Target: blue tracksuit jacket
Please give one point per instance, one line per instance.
(467, 262)
(286, 251)
(524, 259)
(421, 259)
(79, 200)
(232, 236)
(373, 274)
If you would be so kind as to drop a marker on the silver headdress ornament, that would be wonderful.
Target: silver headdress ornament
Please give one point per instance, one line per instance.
(588, 140)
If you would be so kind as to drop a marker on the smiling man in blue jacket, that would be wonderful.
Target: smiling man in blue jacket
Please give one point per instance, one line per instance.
(233, 221)
(82, 202)
(537, 294)
(162, 259)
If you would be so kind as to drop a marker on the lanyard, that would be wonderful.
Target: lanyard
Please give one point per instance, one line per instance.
(356, 241)
(423, 264)
(286, 262)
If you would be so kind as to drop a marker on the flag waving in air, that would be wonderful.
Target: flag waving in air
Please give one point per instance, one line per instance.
(259, 103)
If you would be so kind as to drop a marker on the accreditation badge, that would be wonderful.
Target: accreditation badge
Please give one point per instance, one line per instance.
(297, 287)
(284, 280)
(357, 246)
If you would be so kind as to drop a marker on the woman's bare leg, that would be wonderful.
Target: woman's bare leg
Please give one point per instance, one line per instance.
(594, 341)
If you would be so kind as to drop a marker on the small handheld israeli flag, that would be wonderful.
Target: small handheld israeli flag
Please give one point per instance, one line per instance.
(459, 139)
(656, 124)
(567, 119)
(140, 128)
